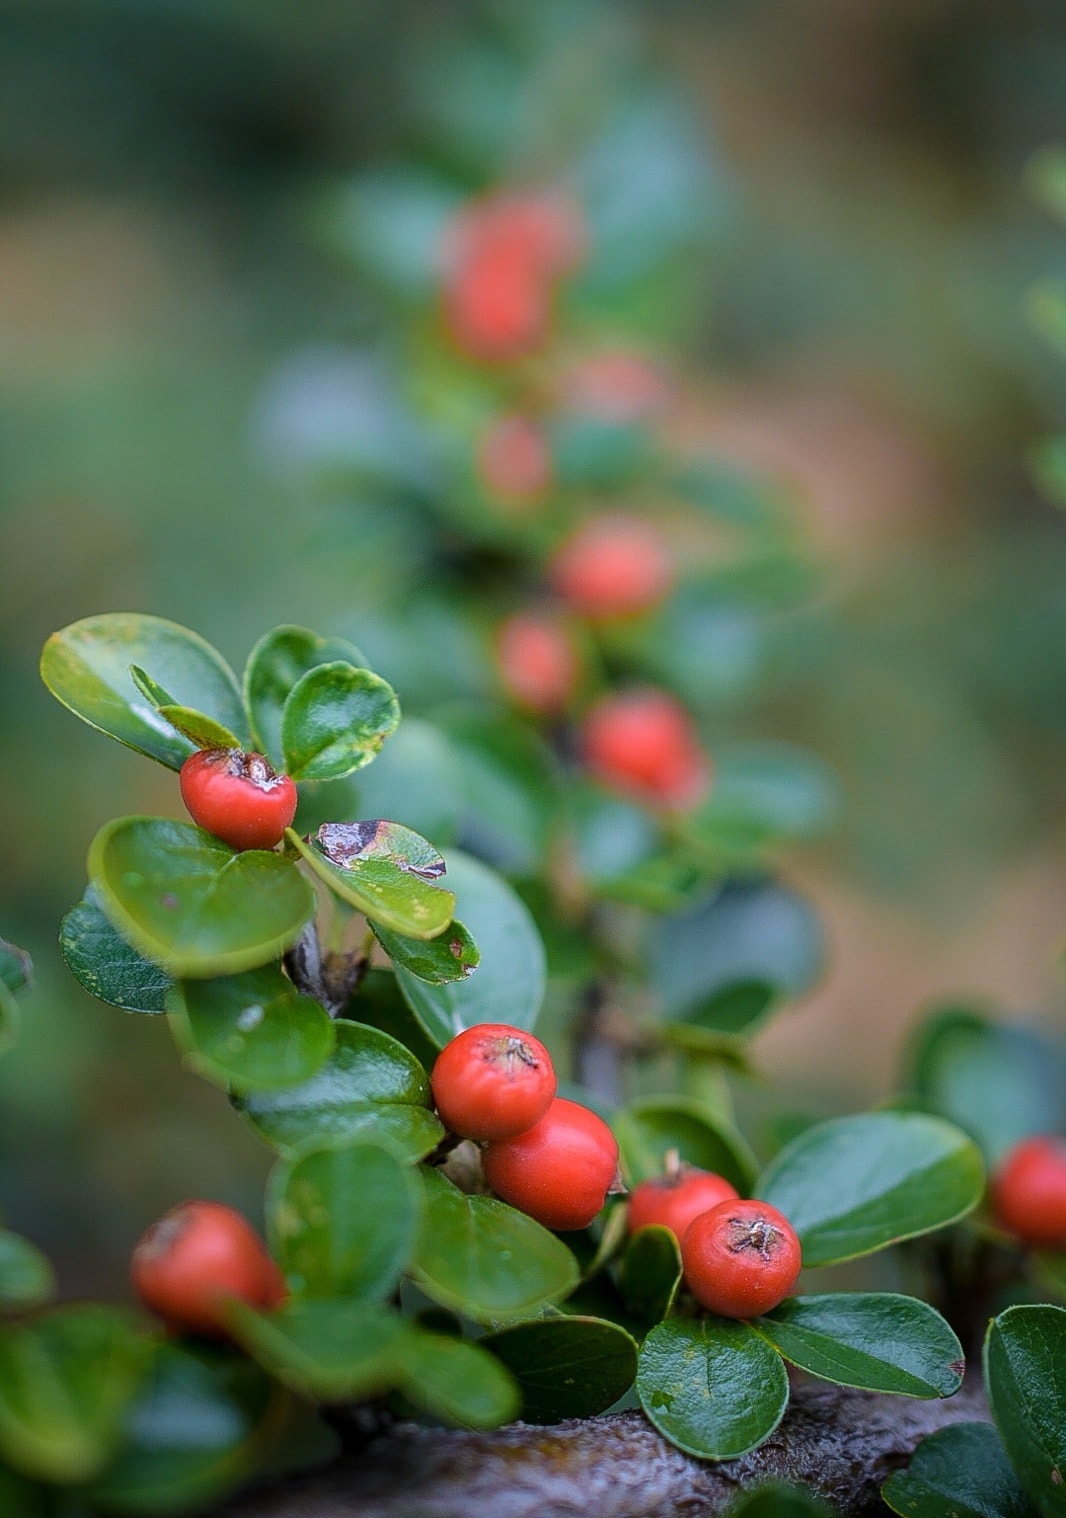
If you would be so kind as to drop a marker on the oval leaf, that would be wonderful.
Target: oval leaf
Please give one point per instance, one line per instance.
(1025, 1374)
(456, 1381)
(335, 720)
(277, 663)
(190, 903)
(876, 1340)
(26, 1276)
(86, 666)
(648, 1129)
(854, 1184)
(649, 1274)
(566, 1367)
(200, 729)
(336, 1351)
(370, 1084)
(958, 1472)
(107, 966)
(712, 1387)
(383, 870)
(450, 956)
(250, 1032)
(486, 1260)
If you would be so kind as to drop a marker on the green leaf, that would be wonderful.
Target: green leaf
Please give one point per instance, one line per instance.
(276, 664)
(998, 1083)
(383, 870)
(26, 1276)
(649, 1274)
(594, 454)
(1025, 1374)
(380, 1004)
(1046, 307)
(566, 1367)
(65, 1381)
(337, 1350)
(508, 781)
(486, 1260)
(343, 1220)
(86, 666)
(191, 904)
(648, 1129)
(369, 1086)
(335, 720)
(876, 1340)
(416, 776)
(250, 1032)
(200, 729)
(511, 977)
(958, 1472)
(16, 968)
(450, 956)
(854, 1184)
(1049, 1269)
(456, 1381)
(728, 493)
(770, 790)
(1047, 464)
(106, 965)
(1045, 174)
(779, 1499)
(9, 1018)
(714, 1388)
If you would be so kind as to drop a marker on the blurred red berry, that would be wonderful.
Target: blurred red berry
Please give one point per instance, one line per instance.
(612, 566)
(1029, 1191)
(642, 742)
(514, 460)
(537, 661)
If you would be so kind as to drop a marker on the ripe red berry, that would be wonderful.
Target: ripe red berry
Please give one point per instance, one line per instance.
(741, 1258)
(1029, 1191)
(238, 797)
(612, 566)
(537, 661)
(195, 1257)
(492, 1081)
(672, 1201)
(514, 460)
(642, 742)
(560, 1170)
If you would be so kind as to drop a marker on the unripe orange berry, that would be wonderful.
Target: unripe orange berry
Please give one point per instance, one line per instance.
(492, 1081)
(1029, 1191)
(238, 797)
(514, 460)
(612, 566)
(642, 742)
(560, 1170)
(672, 1201)
(741, 1258)
(537, 661)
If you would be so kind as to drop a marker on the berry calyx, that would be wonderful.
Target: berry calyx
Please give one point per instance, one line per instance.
(237, 796)
(674, 1200)
(513, 459)
(537, 661)
(492, 1081)
(642, 742)
(1029, 1191)
(560, 1171)
(613, 566)
(741, 1258)
(195, 1257)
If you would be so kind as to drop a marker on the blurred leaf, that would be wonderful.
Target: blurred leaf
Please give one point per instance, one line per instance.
(1047, 461)
(1025, 1376)
(9, 1018)
(275, 665)
(451, 956)
(383, 870)
(876, 1340)
(344, 1219)
(854, 1184)
(779, 1499)
(191, 904)
(335, 720)
(649, 1274)
(648, 1129)
(1046, 306)
(592, 454)
(417, 777)
(1049, 1270)
(958, 1472)
(86, 666)
(510, 980)
(613, 837)
(731, 1014)
(566, 1367)
(250, 1032)
(744, 500)
(485, 1259)
(1045, 175)
(369, 1086)
(390, 224)
(200, 729)
(770, 790)
(107, 966)
(714, 1388)
(336, 1350)
(509, 786)
(16, 968)
(26, 1276)
(457, 1381)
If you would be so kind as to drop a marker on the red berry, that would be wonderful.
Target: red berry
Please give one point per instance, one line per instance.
(741, 1258)
(642, 742)
(560, 1170)
(514, 460)
(1029, 1191)
(238, 797)
(197, 1256)
(537, 661)
(492, 1081)
(612, 566)
(672, 1201)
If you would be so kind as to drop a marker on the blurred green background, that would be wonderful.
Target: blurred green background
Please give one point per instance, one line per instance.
(850, 308)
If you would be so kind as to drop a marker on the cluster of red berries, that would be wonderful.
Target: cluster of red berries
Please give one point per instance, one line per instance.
(237, 796)
(1029, 1191)
(740, 1258)
(551, 1158)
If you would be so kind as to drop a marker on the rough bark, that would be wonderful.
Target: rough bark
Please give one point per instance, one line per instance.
(843, 1444)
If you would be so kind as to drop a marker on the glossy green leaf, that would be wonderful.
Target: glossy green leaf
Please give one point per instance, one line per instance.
(26, 1276)
(457, 1381)
(86, 666)
(370, 1085)
(275, 665)
(566, 1367)
(250, 1032)
(338, 1350)
(511, 978)
(190, 903)
(485, 1259)
(730, 1014)
(714, 1388)
(335, 720)
(854, 1184)
(958, 1472)
(106, 965)
(649, 1274)
(343, 1220)
(876, 1340)
(381, 1004)
(383, 870)
(998, 1083)
(200, 729)
(451, 956)
(65, 1382)
(1025, 1376)
(647, 1130)
(779, 1499)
